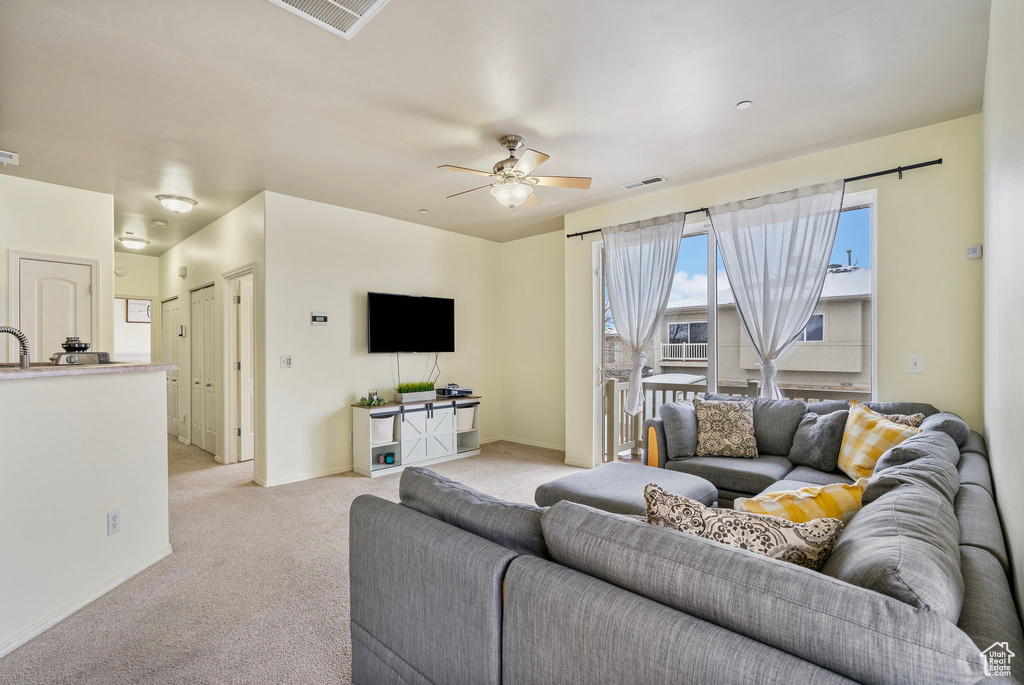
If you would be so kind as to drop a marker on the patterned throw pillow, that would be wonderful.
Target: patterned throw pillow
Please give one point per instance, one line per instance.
(805, 544)
(866, 438)
(912, 420)
(837, 501)
(725, 429)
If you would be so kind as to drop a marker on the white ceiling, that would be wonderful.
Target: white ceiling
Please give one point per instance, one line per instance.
(220, 100)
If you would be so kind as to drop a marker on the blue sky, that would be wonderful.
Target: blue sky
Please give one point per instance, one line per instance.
(690, 284)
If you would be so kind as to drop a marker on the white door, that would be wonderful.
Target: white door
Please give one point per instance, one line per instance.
(169, 312)
(246, 371)
(55, 302)
(198, 374)
(210, 366)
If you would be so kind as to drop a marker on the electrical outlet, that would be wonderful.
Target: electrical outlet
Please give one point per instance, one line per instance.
(114, 522)
(915, 363)
(286, 362)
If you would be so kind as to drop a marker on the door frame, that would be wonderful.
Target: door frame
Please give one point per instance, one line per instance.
(14, 288)
(230, 400)
(155, 323)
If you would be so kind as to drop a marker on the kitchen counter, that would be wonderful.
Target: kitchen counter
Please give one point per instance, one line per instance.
(10, 372)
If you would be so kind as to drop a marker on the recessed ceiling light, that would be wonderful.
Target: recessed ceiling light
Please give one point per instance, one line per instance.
(157, 223)
(133, 242)
(744, 104)
(177, 203)
(423, 211)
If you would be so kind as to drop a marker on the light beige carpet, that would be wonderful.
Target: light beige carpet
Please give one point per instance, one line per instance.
(256, 590)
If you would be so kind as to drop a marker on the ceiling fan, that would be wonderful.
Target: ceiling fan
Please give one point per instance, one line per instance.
(512, 181)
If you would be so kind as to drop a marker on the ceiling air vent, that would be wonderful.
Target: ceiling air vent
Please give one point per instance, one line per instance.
(645, 182)
(343, 17)
(9, 158)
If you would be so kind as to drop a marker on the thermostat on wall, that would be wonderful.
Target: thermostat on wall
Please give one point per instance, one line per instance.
(318, 318)
(974, 252)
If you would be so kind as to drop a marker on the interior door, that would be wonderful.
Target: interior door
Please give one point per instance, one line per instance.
(169, 355)
(247, 371)
(198, 370)
(210, 366)
(55, 302)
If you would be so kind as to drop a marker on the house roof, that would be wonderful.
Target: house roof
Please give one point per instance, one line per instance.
(846, 282)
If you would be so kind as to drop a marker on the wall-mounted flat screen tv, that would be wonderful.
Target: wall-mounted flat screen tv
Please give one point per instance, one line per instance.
(408, 323)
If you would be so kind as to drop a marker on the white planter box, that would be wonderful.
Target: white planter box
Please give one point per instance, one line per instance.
(425, 396)
(464, 418)
(382, 430)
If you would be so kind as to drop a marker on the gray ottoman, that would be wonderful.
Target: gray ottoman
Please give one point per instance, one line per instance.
(619, 488)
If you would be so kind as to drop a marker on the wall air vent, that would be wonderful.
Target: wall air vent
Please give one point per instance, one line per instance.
(343, 17)
(645, 182)
(9, 158)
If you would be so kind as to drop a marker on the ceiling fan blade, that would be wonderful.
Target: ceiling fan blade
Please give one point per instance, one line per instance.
(531, 201)
(465, 170)
(580, 182)
(530, 160)
(469, 191)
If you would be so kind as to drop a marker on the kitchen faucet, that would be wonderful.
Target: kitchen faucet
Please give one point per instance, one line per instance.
(23, 341)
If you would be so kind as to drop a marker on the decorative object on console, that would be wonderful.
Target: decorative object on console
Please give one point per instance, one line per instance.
(416, 392)
(805, 544)
(389, 458)
(725, 429)
(381, 458)
(372, 401)
(867, 436)
(453, 390)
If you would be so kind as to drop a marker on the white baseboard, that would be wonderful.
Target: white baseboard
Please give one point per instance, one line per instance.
(183, 441)
(520, 441)
(296, 479)
(20, 638)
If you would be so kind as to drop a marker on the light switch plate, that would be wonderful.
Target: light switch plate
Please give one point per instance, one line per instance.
(915, 363)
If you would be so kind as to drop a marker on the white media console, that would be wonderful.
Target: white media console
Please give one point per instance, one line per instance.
(415, 433)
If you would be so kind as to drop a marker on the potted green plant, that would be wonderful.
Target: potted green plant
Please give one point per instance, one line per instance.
(416, 392)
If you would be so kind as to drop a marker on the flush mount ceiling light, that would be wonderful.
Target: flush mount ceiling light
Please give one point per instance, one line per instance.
(512, 193)
(177, 203)
(157, 223)
(423, 211)
(744, 104)
(133, 242)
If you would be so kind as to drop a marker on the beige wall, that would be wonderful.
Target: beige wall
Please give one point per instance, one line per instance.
(532, 361)
(142, 280)
(232, 241)
(1004, 288)
(925, 287)
(61, 221)
(326, 258)
(60, 478)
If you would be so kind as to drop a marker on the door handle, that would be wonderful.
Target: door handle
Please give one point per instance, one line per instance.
(208, 385)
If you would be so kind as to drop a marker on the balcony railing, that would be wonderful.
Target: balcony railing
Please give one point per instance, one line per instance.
(684, 352)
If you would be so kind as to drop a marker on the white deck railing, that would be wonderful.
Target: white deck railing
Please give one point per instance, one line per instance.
(686, 352)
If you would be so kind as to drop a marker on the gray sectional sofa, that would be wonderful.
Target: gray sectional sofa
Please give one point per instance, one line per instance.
(454, 586)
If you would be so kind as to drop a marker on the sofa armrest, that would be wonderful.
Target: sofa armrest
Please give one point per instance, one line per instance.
(655, 447)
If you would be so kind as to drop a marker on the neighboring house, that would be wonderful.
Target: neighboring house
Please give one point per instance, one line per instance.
(833, 354)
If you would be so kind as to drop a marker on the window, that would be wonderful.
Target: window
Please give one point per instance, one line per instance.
(814, 331)
(688, 332)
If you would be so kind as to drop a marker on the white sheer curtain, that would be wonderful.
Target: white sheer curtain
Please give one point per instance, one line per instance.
(776, 251)
(639, 265)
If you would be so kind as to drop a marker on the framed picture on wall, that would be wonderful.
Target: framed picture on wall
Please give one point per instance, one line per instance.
(139, 311)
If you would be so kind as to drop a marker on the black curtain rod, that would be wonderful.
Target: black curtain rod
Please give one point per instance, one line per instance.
(897, 170)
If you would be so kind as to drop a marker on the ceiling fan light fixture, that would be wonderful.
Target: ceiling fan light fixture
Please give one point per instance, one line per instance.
(178, 204)
(133, 242)
(512, 193)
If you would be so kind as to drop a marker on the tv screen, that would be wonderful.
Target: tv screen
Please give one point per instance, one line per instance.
(407, 323)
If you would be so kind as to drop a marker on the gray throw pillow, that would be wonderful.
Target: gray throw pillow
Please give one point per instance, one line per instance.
(680, 423)
(924, 444)
(950, 424)
(818, 440)
(932, 472)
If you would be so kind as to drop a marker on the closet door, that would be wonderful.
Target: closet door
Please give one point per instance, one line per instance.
(169, 354)
(198, 369)
(210, 366)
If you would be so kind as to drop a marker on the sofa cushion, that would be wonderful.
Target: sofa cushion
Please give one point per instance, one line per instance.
(912, 420)
(838, 501)
(950, 424)
(979, 523)
(975, 443)
(510, 524)
(861, 635)
(747, 476)
(619, 487)
(924, 444)
(725, 429)
(867, 436)
(930, 472)
(904, 545)
(975, 471)
(988, 615)
(806, 544)
(816, 477)
(817, 440)
(775, 421)
(680, 423)
(905, 408)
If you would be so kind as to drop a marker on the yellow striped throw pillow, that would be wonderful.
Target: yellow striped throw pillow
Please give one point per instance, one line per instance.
(866, 438)
(837, 501)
